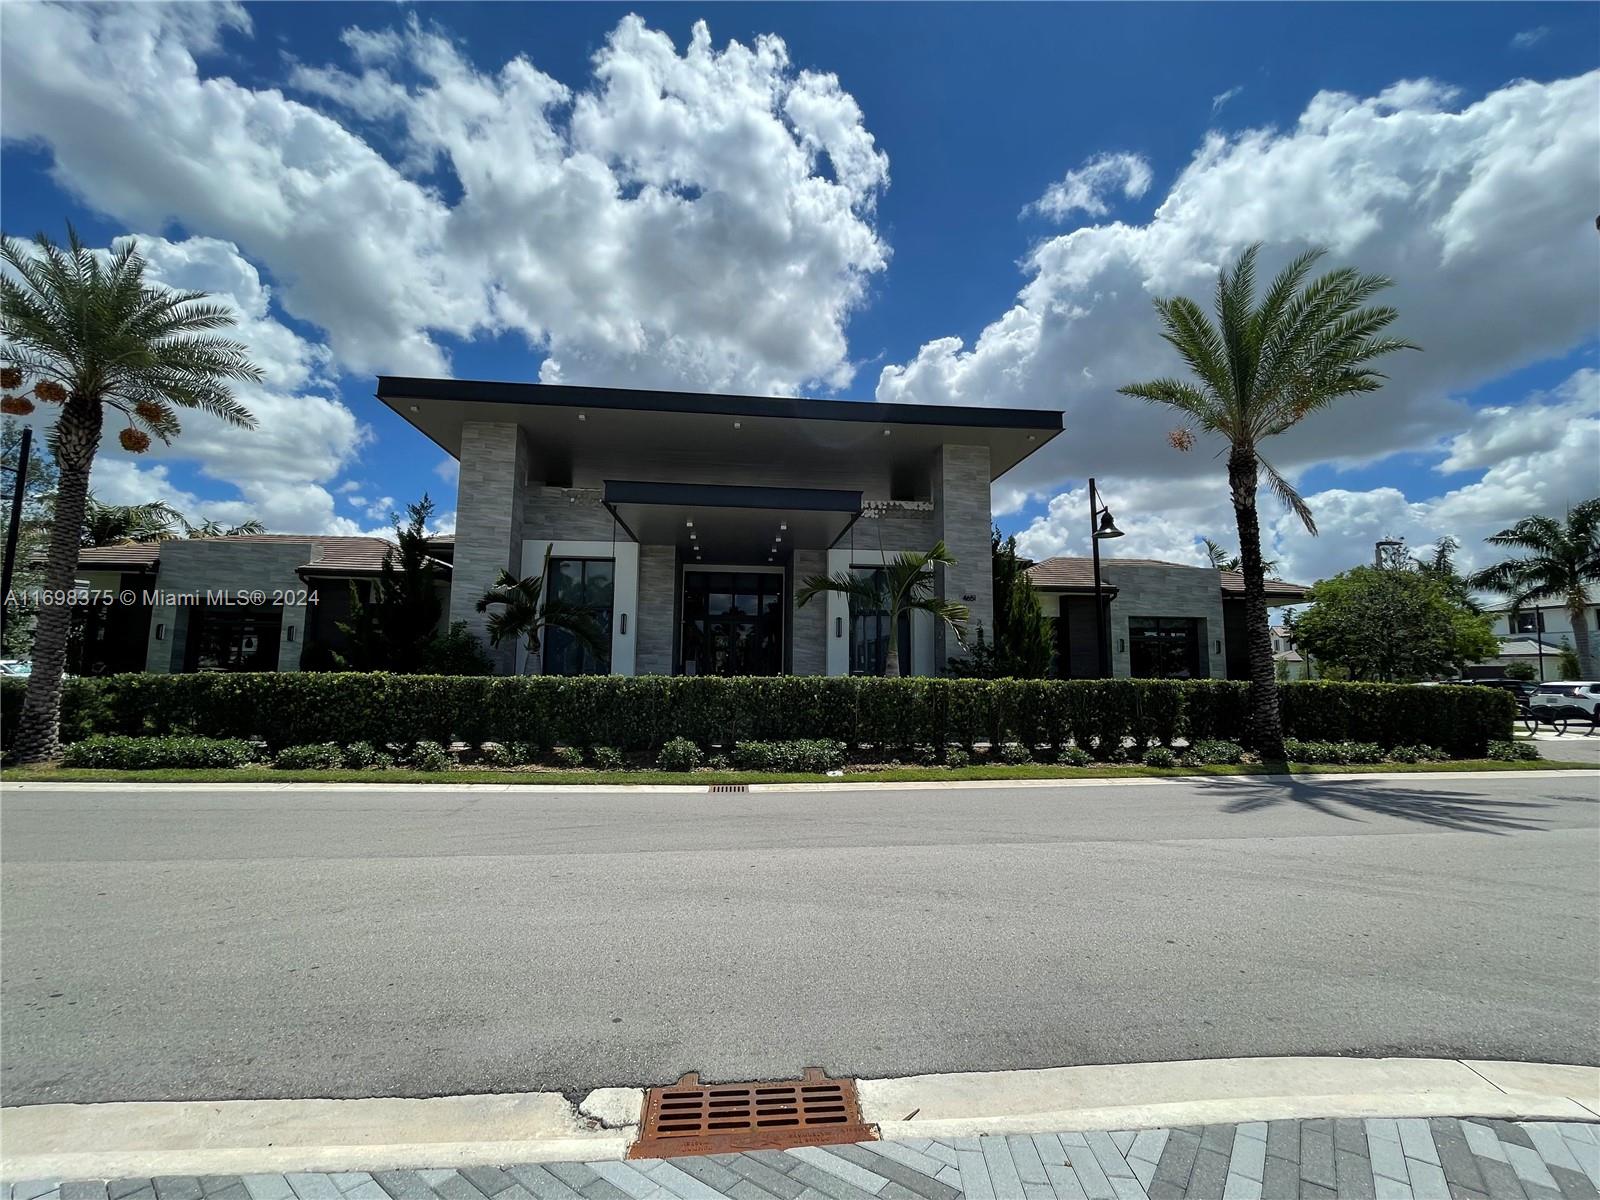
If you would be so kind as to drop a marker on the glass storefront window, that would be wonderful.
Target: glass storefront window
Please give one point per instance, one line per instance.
(587, 583)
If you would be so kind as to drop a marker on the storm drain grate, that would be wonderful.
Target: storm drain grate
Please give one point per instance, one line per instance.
(730, 787)
(694, 1118)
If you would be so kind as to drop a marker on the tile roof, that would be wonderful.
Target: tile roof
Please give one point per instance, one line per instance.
(330, 553)
(1071, 574)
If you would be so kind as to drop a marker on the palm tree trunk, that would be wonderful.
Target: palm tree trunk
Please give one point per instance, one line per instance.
(77, 436)
(891, 656)
(1579, 616)
(1266, 722)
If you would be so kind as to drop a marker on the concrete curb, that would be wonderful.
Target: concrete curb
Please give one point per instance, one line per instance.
(840, 786)
(1219, 1091)
(108, 1141)
(103, 1141)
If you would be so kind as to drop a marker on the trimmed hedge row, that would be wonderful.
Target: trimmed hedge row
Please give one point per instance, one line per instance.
(641, 714)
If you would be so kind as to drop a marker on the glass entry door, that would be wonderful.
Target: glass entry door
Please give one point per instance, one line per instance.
(732, 623)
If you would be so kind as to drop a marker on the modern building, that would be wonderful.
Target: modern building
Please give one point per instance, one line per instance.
(251, 602)
(685, 522)
(1162, 619)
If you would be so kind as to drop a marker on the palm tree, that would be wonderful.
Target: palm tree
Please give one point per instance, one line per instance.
(526, 612)
(904, 584)
(213, 528)
(88, 333)
(1440, 566)
(1562, 563)
(1223, 561)
(112, 524)
(1259, 370)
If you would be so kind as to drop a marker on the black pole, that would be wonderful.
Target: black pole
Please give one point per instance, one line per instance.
(18, 486)
(1100, 645)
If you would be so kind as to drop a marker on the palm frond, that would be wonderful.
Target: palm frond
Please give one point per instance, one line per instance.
(1284, 491)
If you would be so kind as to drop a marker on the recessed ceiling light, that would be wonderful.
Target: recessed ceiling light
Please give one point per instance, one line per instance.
(886, 433)
(779, 538)
(583, 416)
(783, 525)
(694, 537)
(688, 524)
(1032, 437)
(737, 425)
(413, 408)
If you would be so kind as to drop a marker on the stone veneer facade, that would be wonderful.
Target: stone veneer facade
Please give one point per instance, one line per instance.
(501, 516)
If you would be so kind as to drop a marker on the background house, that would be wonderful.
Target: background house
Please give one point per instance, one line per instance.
(251, 602)
(1163, 620)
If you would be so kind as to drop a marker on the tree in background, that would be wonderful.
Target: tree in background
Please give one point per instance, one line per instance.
(1223, 561)
(1257, 371)
(1562, 563)
(397, 627)
(1523, 671)
(1568, 666)
(904, 584)
(155, 521)
(1441, 566)
(1023, 637)
(1379, 625)
(33, 534)
(87, 333)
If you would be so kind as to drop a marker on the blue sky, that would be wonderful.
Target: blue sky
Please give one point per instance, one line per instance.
(948, 122)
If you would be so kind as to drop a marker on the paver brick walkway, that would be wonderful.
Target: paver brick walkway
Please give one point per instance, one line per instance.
(1408, 1159)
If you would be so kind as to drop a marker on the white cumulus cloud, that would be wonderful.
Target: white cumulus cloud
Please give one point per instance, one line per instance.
(1086, 189)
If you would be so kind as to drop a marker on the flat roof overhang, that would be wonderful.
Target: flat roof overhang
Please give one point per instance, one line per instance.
(578, 436)
(719, 523)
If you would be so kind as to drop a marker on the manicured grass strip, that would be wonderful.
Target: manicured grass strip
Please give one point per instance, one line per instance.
(704, 778)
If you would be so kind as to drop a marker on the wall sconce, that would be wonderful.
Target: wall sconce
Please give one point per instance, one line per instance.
(838, 627)
(624, 625)
(1219, 645)
(288, 633)
(1122, 646)
(161, 633)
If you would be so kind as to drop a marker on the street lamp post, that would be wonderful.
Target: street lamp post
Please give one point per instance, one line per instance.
(1100, 526)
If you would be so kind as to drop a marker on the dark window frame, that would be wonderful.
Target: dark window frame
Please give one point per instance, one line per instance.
(560, 641)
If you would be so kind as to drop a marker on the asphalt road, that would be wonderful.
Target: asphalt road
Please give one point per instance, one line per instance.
(196, 944)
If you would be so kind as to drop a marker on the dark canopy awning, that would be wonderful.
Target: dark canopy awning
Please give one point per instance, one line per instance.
(731, 524)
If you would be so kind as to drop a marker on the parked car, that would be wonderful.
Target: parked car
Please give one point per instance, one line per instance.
(1569, 693)
(15, 668)
(1522, 689)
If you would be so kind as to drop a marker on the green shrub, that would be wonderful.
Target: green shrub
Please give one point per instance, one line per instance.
(364, 756)
(567, 756)
(427, 755)
(813, 756)
(1014, 754)
(1160, 756)
(319, 756)
(1510, 751)
(607, 758)
(719, 762)
(956, 756)
(121, 753)
(1074, 756)
(1212, 751)
(679, 754)
(638, 715)
(924, 755)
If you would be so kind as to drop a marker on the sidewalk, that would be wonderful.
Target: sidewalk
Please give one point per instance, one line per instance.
(1441, 1158)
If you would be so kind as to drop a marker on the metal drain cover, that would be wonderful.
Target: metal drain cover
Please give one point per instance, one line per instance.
(729, 787)
(694, 1118)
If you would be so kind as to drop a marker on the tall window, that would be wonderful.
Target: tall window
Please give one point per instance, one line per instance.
(869, 634)
(586, 582)
(1164, 647)
(1527, 622)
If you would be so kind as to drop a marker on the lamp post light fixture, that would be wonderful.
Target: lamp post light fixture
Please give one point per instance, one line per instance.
(1101, 525)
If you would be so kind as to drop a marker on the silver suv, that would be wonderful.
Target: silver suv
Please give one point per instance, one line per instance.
(1570, 693)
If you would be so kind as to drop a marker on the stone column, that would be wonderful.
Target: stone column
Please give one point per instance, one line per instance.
(961, 518)
(494, 468)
